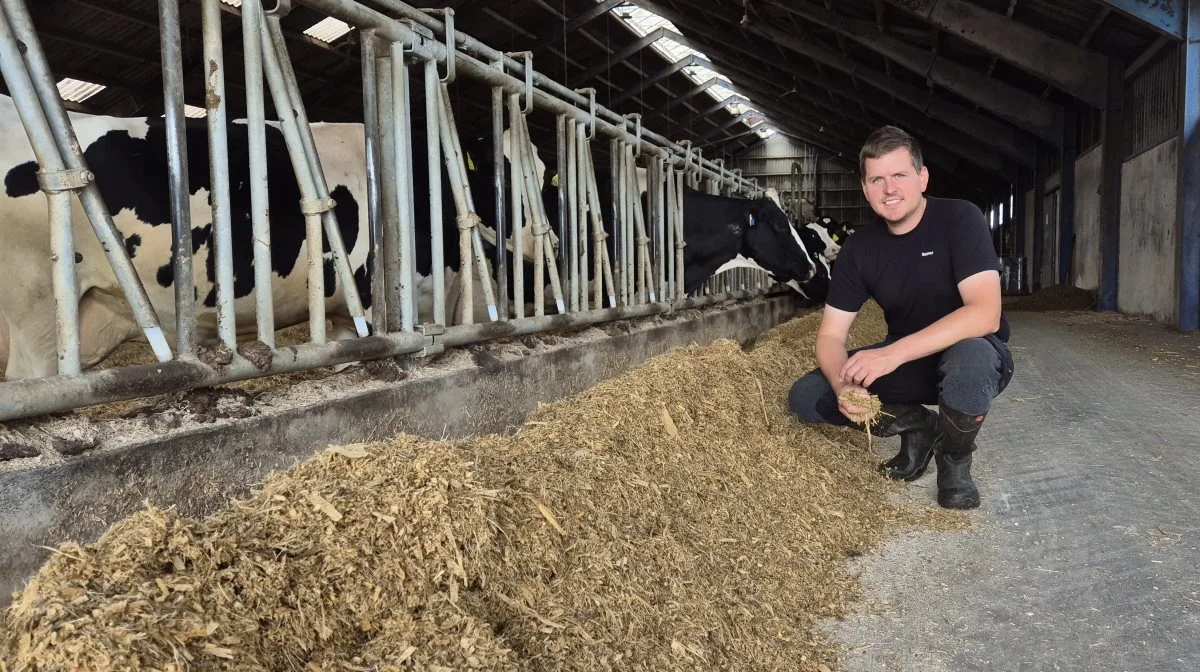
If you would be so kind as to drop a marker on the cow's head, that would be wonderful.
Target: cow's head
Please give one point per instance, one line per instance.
(819, 240)
(773, 244)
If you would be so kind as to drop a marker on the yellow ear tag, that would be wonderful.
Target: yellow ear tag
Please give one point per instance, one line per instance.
(470, 162)
(554, 180)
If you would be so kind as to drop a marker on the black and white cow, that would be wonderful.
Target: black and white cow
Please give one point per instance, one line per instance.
(722, 233)
(129, 159)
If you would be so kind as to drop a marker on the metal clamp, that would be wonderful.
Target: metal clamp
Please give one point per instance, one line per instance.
(687, 155)
(65, 180)
(591, 91)
(638, 133)
(433, 345)
(317, 206)
(451, 41)
(528, 104)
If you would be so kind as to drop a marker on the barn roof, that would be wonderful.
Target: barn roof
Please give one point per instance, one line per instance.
(980, 81)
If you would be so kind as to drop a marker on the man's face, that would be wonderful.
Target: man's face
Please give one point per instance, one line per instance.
(893, 186)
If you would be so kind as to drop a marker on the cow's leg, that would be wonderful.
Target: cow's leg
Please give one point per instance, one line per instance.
(105, 322)
(32, 350)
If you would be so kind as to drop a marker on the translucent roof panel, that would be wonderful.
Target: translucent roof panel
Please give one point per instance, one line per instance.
(642, 22)
(328, 29)
(77, 91)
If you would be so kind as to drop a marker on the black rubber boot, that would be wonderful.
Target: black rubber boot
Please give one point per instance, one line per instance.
(917, 427)
(952, 452)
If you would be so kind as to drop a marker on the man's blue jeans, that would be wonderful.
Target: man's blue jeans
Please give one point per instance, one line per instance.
(966, 377)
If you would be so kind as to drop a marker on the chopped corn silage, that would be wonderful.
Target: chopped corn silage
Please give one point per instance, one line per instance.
(673, 518)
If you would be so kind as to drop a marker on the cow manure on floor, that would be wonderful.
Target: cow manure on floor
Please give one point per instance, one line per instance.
(675, 517)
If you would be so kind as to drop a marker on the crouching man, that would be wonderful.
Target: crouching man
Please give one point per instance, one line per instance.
(930, 264)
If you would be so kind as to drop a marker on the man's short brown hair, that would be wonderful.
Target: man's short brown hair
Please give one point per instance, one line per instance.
(884, 140)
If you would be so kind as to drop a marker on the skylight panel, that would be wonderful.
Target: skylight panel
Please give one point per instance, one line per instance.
(328, 29)
(77, 91)
(642, 22)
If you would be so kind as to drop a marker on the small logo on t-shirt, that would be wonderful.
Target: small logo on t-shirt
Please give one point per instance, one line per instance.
(926, 254)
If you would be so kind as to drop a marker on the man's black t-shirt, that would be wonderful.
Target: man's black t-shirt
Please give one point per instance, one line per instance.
(914, 277)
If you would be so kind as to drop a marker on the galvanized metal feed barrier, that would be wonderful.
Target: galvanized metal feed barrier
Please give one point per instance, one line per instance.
(646, 277)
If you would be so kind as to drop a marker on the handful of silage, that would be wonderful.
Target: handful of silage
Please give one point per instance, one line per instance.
(872, 405)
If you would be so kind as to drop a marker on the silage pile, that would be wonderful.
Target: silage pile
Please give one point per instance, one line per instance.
(674, 518)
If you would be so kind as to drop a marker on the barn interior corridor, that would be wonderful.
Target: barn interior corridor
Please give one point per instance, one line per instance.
(1084, 551)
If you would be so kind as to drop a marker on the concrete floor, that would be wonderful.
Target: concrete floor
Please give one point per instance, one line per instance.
(1085, 554)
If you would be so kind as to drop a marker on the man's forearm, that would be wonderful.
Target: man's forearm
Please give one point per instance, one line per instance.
(831, 357)
(966, 322)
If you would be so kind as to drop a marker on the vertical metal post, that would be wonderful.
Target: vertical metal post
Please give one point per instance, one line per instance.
(252, 28)
(403, 273)
(1189, 173)
(177, 179)
(618, 224)
(498, 189)
(66, 303)
(528, 197)
(409, 235)
(658, 227)
(1020, 211)
(1039, 217)
(389, 301)
(433, 140)
(1110, 197)
(1066, 198)
(680, 240)
(374, 197)
(564, 265)
(567, 241)
(218, 161)
(517, 220)
(581, 230)
(669, 189)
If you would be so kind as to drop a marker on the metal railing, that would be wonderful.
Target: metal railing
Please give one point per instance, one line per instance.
(642, 274)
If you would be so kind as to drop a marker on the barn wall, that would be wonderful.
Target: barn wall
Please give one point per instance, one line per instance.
(834, 188)
(197, 468)
(1147, 284)
(1088, 174)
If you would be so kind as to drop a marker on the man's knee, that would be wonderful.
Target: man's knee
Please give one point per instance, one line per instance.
(971, 372)
(806, 394)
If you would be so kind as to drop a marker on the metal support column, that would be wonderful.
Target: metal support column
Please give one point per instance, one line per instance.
(1020, 213)
(1110, 197)
(1189, 174)
(218, 159)
(1039, 219)
(1066, 199)
(181, 221)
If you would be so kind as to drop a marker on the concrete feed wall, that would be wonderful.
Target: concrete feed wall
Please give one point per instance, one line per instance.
(1147, 284)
